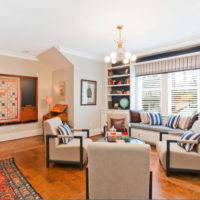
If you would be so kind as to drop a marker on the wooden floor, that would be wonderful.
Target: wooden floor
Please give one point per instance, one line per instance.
(62, 182)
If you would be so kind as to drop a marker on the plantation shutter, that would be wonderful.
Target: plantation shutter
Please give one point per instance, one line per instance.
(184, 92)
(151, 93)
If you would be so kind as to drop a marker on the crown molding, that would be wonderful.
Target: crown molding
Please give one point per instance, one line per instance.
(77, 53)
(17, 55)
(169, 47)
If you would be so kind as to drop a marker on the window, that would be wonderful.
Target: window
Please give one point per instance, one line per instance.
(184, 92)
(150, 92)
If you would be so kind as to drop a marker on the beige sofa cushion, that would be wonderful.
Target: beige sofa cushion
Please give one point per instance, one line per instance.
(184, 122)
(70, 151)
(196, 127)
(145, 119)
(179, 158)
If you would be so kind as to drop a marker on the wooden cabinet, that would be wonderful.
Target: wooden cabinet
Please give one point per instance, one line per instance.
(28, 113)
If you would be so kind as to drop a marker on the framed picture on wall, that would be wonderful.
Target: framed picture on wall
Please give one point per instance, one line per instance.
(61, 91)
(88, 92)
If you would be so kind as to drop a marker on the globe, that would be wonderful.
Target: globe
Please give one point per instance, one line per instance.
(124, 103)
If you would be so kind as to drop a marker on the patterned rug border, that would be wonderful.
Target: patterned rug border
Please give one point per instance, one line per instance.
(13, 161)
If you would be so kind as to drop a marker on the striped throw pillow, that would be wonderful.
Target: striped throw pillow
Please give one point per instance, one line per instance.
(155, 119)
(184, 122)
(65, 130)
(191, 136)
(173, 121)
(144, 116)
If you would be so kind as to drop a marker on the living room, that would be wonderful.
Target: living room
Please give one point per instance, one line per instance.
(99, 99)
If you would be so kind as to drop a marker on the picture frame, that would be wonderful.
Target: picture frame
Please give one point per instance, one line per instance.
(61, 91)
(88, 92)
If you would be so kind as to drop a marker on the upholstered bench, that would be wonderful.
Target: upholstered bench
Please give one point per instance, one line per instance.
(151, 133)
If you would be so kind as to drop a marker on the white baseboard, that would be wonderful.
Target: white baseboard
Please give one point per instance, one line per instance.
(94, 132)
(18, 135)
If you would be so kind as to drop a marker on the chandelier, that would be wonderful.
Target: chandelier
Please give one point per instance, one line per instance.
(120, 54)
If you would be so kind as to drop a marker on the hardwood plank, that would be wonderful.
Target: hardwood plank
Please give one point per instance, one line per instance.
(62, 182)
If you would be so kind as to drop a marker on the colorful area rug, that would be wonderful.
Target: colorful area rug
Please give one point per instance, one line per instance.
(13, 185)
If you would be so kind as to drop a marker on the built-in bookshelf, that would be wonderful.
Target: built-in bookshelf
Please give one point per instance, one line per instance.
(118, 85)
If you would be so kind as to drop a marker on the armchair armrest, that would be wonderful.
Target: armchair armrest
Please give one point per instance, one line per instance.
(105, 128)
(161, 134)
(168, 156)
(82, 130)
(65, 136)
(129, 129)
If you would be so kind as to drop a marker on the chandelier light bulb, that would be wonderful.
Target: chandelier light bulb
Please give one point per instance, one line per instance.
(114, 61)
(120, 54)
(107, 59)
(125, 61)
(127, 55)
(113, 55)
(133, 57)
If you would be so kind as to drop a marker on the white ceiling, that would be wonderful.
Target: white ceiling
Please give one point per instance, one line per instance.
(88, 27)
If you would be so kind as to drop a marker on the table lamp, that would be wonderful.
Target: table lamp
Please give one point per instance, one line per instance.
(49, 101)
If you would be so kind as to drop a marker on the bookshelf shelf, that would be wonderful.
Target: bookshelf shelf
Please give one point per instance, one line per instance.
(118, 82)
(122, 85)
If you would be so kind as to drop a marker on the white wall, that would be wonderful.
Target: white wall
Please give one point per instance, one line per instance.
(65, 75)
(15, 66)
(87, 116)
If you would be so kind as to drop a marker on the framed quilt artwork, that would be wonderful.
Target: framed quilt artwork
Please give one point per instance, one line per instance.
(9, 99)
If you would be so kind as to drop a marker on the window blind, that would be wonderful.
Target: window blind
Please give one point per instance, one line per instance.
(168, 65)
(184, 92)
(151, 93)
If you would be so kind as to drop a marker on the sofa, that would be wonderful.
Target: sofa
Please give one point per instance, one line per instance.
(151, 133)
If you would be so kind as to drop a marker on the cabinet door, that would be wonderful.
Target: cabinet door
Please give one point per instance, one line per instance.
(28, 114)
(28, 87)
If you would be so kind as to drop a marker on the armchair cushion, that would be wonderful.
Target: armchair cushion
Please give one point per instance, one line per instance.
(189, 136)
(70, 151)
(65, 130)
